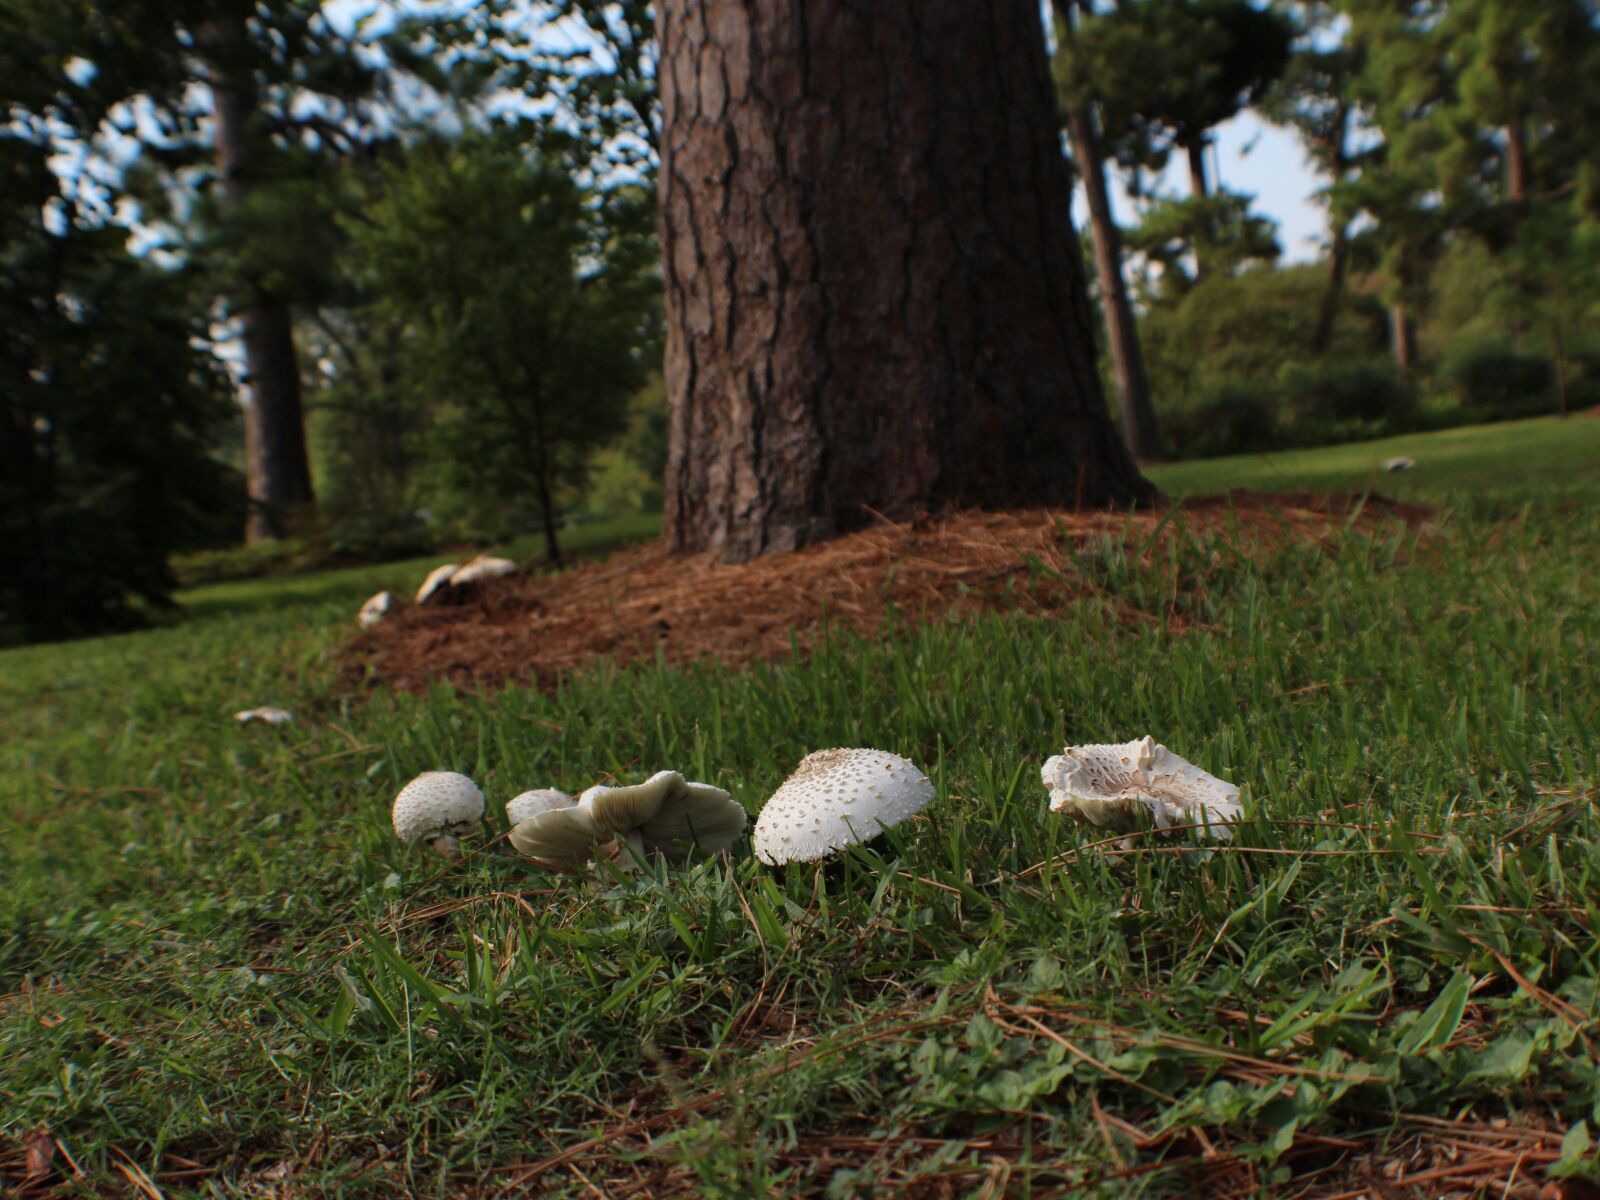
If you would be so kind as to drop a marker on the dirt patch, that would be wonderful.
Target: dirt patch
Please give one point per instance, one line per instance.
(644, 601)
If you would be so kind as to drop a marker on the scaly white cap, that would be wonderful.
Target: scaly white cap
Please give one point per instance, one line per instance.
(434, 807)
(1124, 786)
(838, 798)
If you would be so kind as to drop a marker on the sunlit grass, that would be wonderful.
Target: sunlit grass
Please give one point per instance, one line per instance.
(213, 952)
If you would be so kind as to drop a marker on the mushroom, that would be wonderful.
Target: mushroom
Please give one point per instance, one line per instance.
(434, 807)
(433, 586)
(665, 813)
(375, 609)
(1398, 463)
(483, 567)
(267, 714)
(1127, 786)
(838, 798)
(530, 804)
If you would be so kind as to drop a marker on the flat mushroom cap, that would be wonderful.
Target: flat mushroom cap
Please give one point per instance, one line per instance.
(564, 837)
(1125, 786)
(531, 804)
(485, 566)
(435, 582)
(435, 803)
(659, 814)
(375, 609)
(838, 798)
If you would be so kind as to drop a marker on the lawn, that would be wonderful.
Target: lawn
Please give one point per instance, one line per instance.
(220, 975)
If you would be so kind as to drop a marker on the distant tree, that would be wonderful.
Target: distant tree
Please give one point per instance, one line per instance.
(1081, 114)
(107, 413)
(526, 304)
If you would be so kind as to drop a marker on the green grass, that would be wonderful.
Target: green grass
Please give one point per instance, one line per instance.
(212, 951)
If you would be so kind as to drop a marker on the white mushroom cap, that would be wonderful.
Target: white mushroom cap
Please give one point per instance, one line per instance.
(1127, 785)
(435, 582)
(272, 716)
(664, 813)
(485, 566)
(435, 806)
(838, 798)
(375, 609)
(531, 804)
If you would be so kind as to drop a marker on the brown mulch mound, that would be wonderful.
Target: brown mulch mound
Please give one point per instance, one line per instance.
(645, 600)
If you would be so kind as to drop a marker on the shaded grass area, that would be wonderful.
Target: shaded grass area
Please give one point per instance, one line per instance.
(219, 970)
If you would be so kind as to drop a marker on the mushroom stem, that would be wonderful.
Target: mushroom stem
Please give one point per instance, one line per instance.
(446, 847)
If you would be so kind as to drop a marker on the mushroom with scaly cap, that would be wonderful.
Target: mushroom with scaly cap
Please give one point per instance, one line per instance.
(665, 814)
(530, 804)
(436, 806)
(1126, 786)
(838, 798)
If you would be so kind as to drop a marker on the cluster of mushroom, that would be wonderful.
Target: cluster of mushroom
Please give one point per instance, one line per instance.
(835, 798)
(443, 583)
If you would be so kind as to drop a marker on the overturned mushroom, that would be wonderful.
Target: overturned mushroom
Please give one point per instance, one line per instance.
(266, 714)
(375, 609)
(485, 566)
(528, 805)
(666, 814)
(1130, 785)
(838, 798)
(433, 586)
(436, 806)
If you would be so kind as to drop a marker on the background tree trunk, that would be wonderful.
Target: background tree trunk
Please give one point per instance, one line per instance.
(875, 300)
(278, 471)
(1139, 428)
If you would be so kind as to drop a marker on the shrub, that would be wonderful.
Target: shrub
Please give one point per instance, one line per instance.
(1495, 383)
(1369, 396)
(1225, 416)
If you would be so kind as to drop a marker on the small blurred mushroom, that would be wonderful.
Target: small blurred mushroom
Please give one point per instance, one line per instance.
(838, 798)
(436, 806)
(375, 609)
(485, 566)
(266, 714)
(433, 586)
(1129, 785)
(1398, 463)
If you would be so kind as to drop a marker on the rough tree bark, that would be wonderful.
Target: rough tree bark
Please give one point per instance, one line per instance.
(875, 300)
(1139, 428)
(278, 472)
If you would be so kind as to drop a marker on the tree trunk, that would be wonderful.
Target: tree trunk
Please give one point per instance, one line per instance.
(1139, 428)
(1195, 150)
(1333, 293)
(1402, 337)
(875, 302)
(278, 470)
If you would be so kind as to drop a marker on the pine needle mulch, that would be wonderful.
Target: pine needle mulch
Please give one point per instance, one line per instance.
(646, 601)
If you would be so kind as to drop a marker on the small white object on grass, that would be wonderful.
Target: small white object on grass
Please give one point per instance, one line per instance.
(530, 804)
(1398, 463)
(435, 583)
(375, 609)
(485, 566)
(266, 714)
(436, 806)
(1129, 785)
(666, 813)
(838, 798)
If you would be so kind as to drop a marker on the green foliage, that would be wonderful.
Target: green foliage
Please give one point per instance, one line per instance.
(1250, 327)
(1370, 395)
(1175, 236)
(1223, 416)
(1498, 383)
(522, 314)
